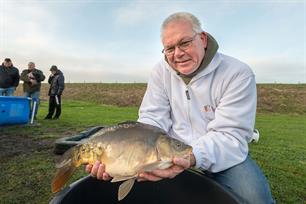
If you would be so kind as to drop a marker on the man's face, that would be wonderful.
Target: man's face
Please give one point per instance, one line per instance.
(185, 60)
(7, 63)
(31, 66)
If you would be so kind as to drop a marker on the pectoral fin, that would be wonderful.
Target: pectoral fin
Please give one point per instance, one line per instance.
(156, 165)
(150, 167)
(125, 188)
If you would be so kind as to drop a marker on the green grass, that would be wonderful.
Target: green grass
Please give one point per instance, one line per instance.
(25, 177)
(281, 152)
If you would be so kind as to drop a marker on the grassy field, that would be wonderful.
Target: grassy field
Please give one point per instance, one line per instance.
(27, 159)
(272, 98)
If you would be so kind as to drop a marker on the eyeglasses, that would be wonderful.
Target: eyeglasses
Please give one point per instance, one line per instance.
(182, 45)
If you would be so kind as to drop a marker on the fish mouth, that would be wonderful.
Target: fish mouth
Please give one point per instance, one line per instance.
(187, 155)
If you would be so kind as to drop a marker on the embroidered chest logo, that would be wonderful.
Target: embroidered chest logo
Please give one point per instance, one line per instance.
(208, 108)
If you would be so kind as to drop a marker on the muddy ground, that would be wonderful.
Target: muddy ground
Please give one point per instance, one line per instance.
(26, 144)
(28, 139)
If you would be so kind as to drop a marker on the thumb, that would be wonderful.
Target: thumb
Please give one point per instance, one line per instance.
(185, 163)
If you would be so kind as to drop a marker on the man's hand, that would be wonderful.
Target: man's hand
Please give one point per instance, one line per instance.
(33, 82)
(179, 165)
(30, 75)
(98, 170)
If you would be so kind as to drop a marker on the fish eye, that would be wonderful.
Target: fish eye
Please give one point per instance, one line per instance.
(177, 145)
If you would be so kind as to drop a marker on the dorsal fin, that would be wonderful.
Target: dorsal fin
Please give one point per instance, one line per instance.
(128, 122)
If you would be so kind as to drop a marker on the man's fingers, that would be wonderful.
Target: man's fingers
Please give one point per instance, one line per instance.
(106, 177)
(148, 176)
(100, 171)
(177, 169)
(88, 168)
(141, 179)
(95, 168)
(168, 173)
(185, 163)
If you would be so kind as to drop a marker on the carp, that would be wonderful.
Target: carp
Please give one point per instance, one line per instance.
(126, 150)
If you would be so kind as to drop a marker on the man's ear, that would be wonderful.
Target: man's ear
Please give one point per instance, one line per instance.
(203, 37)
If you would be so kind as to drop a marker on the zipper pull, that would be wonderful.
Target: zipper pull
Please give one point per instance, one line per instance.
(187, 94)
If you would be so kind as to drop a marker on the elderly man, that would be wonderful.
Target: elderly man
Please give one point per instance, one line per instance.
(207, 100)
(9, 78)
(32, 79)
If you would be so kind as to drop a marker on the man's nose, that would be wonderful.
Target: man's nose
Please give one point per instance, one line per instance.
(178, 52)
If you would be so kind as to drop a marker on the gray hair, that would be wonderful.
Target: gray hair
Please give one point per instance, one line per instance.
(182, 16)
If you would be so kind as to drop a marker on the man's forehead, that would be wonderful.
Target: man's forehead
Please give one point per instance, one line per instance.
(176, 31)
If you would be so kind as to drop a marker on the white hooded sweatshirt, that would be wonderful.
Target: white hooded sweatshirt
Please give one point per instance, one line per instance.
(214, 113)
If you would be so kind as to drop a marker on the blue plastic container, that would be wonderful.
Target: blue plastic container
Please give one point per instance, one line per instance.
(14, 110)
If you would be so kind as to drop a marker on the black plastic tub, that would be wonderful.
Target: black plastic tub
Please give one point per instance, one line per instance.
(187, 188)
(65, 143)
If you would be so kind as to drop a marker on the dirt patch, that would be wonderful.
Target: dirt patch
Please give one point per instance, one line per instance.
(14, 145)
(24, 140)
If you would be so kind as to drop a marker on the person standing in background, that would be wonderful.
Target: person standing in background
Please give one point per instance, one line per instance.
(9, 78)
(32, 79)
(57, 85)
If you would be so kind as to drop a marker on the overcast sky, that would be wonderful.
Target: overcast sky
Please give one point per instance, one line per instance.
(119, 41)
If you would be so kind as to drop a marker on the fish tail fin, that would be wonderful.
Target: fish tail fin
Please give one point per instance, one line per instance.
(125, 188)
(65, 168)
(61, 177)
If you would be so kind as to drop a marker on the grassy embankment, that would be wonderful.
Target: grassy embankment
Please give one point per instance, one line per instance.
(27, 161)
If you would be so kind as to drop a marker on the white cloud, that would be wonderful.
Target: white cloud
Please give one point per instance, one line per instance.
(136, 12)
(278, 69)
(33, 31)
(27, 30)
(31, 34)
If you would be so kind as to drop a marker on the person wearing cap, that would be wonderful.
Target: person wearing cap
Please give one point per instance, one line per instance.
(32, 79)
(57, 85)
(9, 78)
(207, 100)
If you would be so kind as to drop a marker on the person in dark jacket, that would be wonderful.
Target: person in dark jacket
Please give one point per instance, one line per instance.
(9, 78)
(32, 79)
(57, 85)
